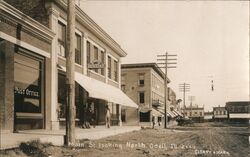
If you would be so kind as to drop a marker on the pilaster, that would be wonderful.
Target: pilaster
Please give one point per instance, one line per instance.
(52, 75)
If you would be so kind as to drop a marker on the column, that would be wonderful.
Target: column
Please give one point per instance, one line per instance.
(7, 86)
(52, 121)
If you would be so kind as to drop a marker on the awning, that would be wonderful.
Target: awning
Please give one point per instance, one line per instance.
(100, 90)
(169, 113)
(179, 113)
(157, 113)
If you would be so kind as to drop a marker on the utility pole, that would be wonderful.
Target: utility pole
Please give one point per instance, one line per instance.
(165, 66)
(70, 74)
(184, 87)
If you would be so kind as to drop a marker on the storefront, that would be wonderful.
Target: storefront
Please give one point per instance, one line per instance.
(93, 95)
(84, 104)
(28, 90)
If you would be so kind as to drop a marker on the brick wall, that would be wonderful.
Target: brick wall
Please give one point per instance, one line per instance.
(7, 85)
(33, 8)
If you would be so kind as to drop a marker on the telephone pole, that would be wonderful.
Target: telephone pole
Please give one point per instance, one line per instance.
(165, 58)
(184, 87)
(70, 74)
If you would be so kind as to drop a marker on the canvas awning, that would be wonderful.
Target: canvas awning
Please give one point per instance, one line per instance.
(101, 90)
(169, 113)
(156, 113)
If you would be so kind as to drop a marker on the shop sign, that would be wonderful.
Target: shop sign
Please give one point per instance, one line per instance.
(26, 92)
(96, 65)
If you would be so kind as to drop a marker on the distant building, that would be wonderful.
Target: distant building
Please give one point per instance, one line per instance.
(144, 84)
(208, 116)
(196, 113)
(238, 111)
(219, 113)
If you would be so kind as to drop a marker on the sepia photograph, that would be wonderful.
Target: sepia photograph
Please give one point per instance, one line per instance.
(124, 78)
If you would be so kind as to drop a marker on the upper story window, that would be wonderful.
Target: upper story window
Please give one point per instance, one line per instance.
(141, 97)
(88, 52)
(96, 56)
(103, 61)
(116, 70)
(123, 79)
(141, 79)
(109, 67)
(78, 49)
(61, 39)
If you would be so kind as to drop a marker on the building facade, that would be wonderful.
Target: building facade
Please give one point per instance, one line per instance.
(238, 111)
(33, 40)
(195, 113)
(144, 84)
(220, 114)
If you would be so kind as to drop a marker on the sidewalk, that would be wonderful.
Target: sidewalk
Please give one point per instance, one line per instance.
(56, 137)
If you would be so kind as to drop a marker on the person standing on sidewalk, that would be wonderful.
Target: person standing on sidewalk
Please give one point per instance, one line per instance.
(107, 117)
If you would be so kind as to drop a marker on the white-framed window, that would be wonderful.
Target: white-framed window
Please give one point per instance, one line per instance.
(141, 97)
(115, 70)
(78, 49)
(61, 39)
(141, 79)
(109, 67)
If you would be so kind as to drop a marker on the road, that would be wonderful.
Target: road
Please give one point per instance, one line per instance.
(206, 139)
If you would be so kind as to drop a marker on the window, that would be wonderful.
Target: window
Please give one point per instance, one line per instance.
(28, 84)
(78, 49)
(141, 97)
(96, 57)
(109, 67)
(225, 112)
(123, 78)
(103, 60)
(145, 117)
(116, 70)
(141, 79)
(61, 39)
(200, 113)
(123, 88)
(61, 96)
(88, 52)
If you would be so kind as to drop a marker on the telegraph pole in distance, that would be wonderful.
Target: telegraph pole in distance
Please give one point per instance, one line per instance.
(184, 87)
(165, 58)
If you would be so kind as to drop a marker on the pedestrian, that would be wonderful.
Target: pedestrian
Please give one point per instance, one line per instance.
(107, 117)
(85, 118)
(154, 121)
(89, 117)
(93, 114)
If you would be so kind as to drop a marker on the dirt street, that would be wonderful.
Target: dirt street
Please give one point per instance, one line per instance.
(199, 140)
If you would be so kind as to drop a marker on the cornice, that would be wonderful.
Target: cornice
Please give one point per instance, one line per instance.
(27, 22)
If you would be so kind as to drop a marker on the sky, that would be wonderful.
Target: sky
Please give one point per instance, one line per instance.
(210, 39)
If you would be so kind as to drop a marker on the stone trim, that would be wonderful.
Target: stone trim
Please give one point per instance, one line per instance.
(24, 44)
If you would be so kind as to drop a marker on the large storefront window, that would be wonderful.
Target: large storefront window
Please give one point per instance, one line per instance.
(28, 84)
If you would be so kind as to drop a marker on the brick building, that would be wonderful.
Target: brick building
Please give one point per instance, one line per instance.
(220, 114)
(144, 84)
(32, 66)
